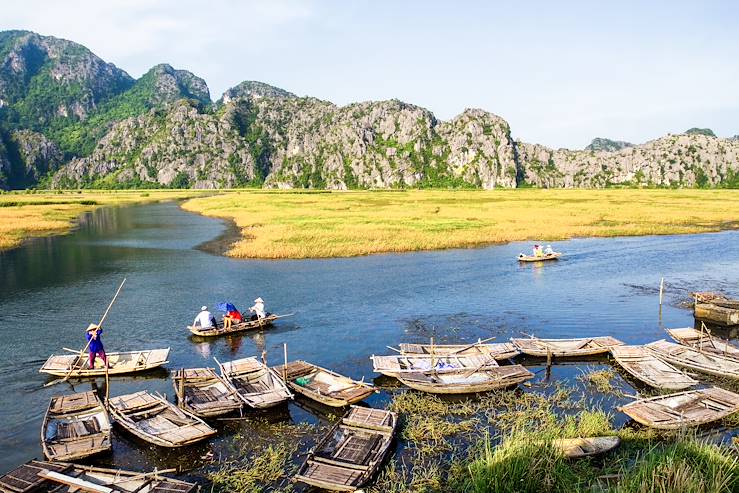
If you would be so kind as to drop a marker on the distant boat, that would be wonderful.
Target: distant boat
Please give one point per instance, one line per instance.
(204, 393)
(643, 365)
(704, 341)
(533, 258)
(118, 363)
(62, 477)
(688, 408)
(585, 346)
(256, 384)
(158, 421)
(351, 453)
(498, 350)
(322, 385)
(219, 329)
(75, 426)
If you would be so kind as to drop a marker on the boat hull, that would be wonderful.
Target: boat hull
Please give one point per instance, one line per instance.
(119, 363)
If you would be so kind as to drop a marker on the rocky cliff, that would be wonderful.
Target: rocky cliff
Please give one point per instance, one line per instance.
(59, 103)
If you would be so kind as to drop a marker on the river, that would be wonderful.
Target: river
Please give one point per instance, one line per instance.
(345, 309)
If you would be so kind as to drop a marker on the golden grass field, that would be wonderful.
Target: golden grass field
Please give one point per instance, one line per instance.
(24, 215)
(277, 224)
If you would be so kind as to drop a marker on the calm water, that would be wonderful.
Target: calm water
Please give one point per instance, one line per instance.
(345, 309)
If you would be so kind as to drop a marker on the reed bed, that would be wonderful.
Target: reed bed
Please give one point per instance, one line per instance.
(278, 224)
(31, 214)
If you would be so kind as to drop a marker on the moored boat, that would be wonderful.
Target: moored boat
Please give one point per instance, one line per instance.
(158, 421)
(643, 365)
(204, 393)
(688, 357)
(498, 350)
(351, 452)
(74, 365)
(532, 258)
(576, 448)
(467, 382)
(717, 313)
(322, 385)
(75, 426)
(705, 341)
(683, 409)
(61, 477)
(256, 384)
(246, 325)
(399, 364)
(584, 346)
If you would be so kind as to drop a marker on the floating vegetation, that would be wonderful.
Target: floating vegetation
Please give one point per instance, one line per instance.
(600, 379)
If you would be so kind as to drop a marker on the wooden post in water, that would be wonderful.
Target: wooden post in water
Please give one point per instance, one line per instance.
(181, 391)
(264, 357)
(549, 359)
(433, 352)
(661, 290)
(284, 368)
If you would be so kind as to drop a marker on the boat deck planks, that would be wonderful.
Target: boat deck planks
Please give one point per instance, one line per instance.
(75, 426)
(703, 341)
(498, 350)
(694, 359)
(466, 382)
(61, 477)
(398, 364)
(351, 452)
(682, 409)
(256, 384)
(585, 346)
(118, 363)
(324, 386)
(158, 421)
(643, 365)
(206, 394)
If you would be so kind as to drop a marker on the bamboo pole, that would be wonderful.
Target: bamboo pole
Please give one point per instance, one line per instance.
(107, 384)
(661, 289)
(284, 368)
(82, 353)
(181, 391)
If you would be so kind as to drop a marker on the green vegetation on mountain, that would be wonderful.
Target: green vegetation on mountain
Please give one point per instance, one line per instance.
(700, 131)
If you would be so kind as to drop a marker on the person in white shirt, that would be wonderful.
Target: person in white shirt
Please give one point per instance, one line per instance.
(548, 250)
(258, 309)
(204, 318)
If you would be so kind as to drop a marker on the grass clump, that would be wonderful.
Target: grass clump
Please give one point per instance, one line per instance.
(265, 466)
(600, 379)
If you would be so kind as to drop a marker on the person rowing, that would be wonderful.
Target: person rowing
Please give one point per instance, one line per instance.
(204, 319)
(95, 345)
(258, 309)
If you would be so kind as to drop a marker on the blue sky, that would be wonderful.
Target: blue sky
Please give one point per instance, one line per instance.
(561, 73)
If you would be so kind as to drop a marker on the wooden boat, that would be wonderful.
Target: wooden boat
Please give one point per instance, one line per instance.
(498, 350)
(75, 426)
(704, 341)
(398, 364)
(202, 392)
(61, 477)
(118, 363)
(467, 382)
(533, 258)
(716, 314)
(585, 346)
(643, 365)
(687, 357)
(158, 421)
(687, 408)
(219, 330)
(255, 384)
(576, 448)
(322, 385)
(351, 452)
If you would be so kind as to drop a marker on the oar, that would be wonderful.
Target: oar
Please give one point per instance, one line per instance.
(82, 353)
(478, 343)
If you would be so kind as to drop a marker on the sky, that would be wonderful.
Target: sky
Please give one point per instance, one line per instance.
(560, 73)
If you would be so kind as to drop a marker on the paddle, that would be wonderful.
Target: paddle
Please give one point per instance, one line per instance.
(478, 343)
(82, 353)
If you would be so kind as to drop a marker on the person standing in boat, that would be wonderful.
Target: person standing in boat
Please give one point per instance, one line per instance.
(204, 319)
(258, 309)
(95, 345)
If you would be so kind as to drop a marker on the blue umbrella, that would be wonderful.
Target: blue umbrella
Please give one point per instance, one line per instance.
(226, 307)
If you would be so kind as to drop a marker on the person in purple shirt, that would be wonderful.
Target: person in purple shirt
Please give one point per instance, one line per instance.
(96, 344)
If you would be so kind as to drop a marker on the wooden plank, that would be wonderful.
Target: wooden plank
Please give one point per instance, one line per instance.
(77, 483)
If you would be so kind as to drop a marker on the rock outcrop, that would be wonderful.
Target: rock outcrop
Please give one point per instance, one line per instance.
(26, 157)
